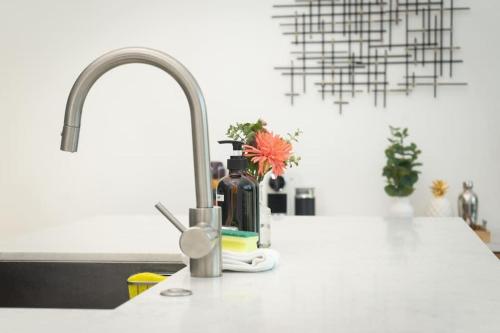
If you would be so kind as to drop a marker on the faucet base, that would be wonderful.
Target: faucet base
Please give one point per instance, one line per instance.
(211, 264)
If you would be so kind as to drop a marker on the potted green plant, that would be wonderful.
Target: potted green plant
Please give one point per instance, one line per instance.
(400, 172)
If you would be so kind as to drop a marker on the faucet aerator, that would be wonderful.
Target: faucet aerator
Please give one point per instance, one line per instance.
(69, 138)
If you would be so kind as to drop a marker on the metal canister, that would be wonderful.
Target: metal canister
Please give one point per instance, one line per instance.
(305, 201)
(468, 204)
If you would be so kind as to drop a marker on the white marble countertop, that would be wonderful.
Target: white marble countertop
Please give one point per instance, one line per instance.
(336, 275)
(114, 234)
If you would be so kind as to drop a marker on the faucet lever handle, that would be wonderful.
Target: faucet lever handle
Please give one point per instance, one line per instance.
(195, 242)
(165, 212)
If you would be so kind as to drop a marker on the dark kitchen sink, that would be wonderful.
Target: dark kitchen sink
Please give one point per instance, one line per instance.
(91, 284)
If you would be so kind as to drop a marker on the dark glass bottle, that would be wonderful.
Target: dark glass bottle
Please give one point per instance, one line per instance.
(238, 193)
(257, 199)
(237, 196)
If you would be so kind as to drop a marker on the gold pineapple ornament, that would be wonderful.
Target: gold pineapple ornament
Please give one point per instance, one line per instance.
(440, 206)
(439, 188)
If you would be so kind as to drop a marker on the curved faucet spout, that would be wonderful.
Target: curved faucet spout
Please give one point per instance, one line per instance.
(199, 127)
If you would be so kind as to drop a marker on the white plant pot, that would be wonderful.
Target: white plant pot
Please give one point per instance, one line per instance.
(401, 208)
(440, 207)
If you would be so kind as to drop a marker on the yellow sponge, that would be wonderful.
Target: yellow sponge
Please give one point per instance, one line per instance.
(239, 241)
(140, 282)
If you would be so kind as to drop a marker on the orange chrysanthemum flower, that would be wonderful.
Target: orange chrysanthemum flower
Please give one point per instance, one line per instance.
(270, 152)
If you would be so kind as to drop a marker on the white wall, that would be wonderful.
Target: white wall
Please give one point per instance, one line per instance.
(135, 144)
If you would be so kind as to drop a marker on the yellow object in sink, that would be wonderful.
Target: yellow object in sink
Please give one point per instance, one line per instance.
(140, 282)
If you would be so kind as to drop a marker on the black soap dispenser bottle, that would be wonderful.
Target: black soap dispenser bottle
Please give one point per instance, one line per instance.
(238, 193)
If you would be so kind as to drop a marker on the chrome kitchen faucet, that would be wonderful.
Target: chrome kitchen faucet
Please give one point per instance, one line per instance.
(202, 240)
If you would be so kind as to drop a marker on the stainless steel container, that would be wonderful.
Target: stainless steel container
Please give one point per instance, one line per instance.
(305, 201)
(468, 204)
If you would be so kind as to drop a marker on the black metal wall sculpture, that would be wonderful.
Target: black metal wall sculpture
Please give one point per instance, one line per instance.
(352, 46)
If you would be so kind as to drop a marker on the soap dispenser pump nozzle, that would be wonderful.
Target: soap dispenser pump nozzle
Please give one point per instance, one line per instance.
(237, 145)
(237, 161)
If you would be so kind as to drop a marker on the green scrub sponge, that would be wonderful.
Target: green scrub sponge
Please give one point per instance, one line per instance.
(239, 241)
